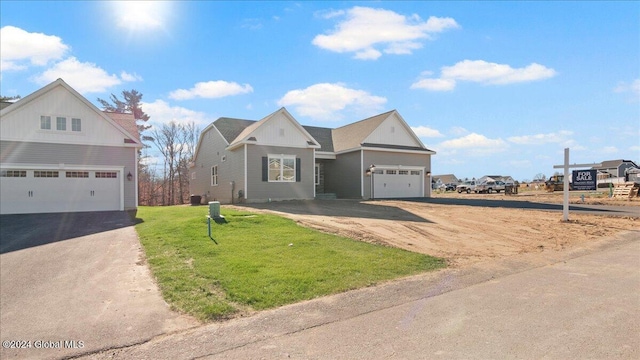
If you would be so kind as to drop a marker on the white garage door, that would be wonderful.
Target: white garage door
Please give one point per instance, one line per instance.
(397, 183)
(46, 191)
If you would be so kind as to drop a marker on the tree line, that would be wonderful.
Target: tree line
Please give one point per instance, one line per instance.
(175, 142)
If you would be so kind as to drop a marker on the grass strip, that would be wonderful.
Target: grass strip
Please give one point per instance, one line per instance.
(261, 261)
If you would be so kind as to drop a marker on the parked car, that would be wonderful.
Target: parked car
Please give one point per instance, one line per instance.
(450, 187)
(467, 186)
(490, 186)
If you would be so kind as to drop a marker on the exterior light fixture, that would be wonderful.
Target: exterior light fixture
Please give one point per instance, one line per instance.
(129, 176)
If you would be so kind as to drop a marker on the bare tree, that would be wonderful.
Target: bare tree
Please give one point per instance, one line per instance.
(167, 142)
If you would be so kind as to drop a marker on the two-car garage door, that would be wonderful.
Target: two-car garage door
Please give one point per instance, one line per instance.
(397, 183)
(36, 190)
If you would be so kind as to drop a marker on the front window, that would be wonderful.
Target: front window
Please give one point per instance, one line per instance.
(214, 175)
(317, 175)
(282, 168)
(61, 123)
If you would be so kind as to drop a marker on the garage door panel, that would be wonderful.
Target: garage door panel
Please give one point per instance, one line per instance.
(32, 194)
(397, 184)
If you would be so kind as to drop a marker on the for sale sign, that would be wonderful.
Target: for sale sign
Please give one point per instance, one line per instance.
(584, 179)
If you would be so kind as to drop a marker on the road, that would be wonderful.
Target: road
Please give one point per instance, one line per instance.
(565, 305)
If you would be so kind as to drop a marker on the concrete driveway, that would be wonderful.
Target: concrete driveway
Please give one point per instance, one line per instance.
(76, 283)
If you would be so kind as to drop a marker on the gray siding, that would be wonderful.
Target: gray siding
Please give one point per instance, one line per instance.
(342, 176)
(210, 153)
(259, 190)
(67, 154)
(396, 158)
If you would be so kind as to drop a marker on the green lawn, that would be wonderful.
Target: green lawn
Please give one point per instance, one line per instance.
(261, 261)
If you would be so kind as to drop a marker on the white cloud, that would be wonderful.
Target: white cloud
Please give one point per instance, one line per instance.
(492, 73)
(474, 145)
(160, 112)
(125, 76)
(609, 150)
(365, 28)
(85, 77)
(561, 136)
(427, 132)
(483, 72)
(435, 84)
(633, 87)
(325, 101)
(458, 131)
(21, 48)
(211, 90)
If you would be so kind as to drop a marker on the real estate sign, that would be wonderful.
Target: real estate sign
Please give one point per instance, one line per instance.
(584, 179)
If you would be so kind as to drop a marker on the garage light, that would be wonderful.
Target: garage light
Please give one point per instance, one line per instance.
(129, 176)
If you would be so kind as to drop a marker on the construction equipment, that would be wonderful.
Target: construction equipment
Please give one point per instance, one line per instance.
(555, 183)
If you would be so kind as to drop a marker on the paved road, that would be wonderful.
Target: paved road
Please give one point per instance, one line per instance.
(566, 305)
(79, 278)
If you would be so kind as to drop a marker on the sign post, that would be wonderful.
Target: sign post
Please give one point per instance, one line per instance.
(565, 188)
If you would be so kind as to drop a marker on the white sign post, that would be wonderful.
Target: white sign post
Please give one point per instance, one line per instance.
(565, 188)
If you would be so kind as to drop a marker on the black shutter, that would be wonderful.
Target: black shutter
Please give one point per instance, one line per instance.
(298, 179)
(265, 168)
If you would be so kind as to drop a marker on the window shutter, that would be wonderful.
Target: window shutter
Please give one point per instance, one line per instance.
(265, 168)
(298, 170)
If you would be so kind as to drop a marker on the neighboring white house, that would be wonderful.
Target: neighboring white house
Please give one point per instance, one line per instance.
(60, 153)
(276, 158)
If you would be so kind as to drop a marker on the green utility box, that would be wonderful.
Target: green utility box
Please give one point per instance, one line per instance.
(214, 209)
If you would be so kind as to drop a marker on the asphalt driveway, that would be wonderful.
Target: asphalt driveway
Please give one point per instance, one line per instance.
(76, 283)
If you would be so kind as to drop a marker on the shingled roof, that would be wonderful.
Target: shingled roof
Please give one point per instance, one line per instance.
(231, 128)
(126, 121)
(322, 136)
(347, 137)
(352, 135)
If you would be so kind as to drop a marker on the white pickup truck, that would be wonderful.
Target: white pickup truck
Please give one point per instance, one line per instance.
(490, 186)
(467, 186)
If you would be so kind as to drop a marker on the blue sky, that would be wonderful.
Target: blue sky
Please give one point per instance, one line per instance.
(492, 87)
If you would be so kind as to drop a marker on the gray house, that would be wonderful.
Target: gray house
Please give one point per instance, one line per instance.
(60, 153)
(276, 158)
(614, 168)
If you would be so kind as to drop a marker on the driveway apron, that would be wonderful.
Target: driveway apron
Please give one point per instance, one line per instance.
(80, 286)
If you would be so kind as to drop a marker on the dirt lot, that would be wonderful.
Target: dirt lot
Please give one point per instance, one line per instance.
(461, 234)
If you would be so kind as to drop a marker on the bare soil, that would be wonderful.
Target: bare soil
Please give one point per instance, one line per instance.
(460, 234)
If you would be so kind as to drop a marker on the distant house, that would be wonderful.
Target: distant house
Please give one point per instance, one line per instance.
(614, 168)
(439, 180)
(506, 179)
(60, 153)
(276, 158)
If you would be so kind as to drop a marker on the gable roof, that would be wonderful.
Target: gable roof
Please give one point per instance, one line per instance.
(613, 164)
(127, 121)
(446, 178)
(352, 135)
(244, 136)
(122, 124)
(231, 128)
(322, 136)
